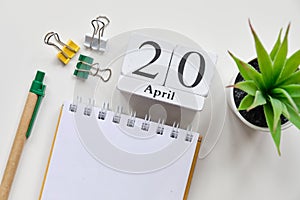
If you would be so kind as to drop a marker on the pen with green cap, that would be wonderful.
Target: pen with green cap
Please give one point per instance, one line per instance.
(36, 93)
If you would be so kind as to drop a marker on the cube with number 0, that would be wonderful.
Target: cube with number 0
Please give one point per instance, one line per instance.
(191, 70)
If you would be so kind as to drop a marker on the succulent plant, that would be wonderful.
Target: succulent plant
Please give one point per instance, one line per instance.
(276, 87)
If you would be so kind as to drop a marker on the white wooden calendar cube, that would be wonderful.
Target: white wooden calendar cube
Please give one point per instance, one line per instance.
(147, 59)
(166, 72)
(191, 70)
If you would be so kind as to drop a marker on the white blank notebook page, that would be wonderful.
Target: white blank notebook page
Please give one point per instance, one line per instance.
(76, 173)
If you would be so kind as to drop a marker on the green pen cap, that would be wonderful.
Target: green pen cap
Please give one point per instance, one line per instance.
(38, 88)
(37, 85)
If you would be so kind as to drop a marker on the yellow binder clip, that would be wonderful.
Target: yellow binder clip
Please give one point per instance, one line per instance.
(68, 49)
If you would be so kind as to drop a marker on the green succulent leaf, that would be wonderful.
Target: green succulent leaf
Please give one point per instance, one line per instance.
(247, 86)
(248, 72)
(280, 57)
(285, 111)
(277, 111)
(286, 102)
(279, 92)
(246, 102)
(292, 79)
(291, 65)
(264, 60)
(276, 46)
(297, 101)
(244, 68)
(276, 135)
(254, 75)
(259, 100)
(293, 90)
(293, 116)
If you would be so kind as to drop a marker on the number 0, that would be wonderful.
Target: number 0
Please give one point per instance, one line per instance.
(200, 71)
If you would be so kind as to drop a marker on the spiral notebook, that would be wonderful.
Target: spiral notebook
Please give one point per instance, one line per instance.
(101, 154)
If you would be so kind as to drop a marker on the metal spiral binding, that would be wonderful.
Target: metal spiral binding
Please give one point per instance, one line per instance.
(88, 109)
(189, 135)
(74, 105)
(117, 115)
(174, 133)
(146, 123)
(103, 111)
(131, 120)
(160, 127)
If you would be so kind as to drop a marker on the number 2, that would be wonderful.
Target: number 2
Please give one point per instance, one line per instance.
(156, 56)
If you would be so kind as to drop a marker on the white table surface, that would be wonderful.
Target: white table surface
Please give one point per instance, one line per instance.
(243, 165)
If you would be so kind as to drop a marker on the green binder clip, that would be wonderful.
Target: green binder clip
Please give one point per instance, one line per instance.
(86, 67)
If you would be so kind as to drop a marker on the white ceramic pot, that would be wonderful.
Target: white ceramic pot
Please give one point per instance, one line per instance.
(230, 100)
